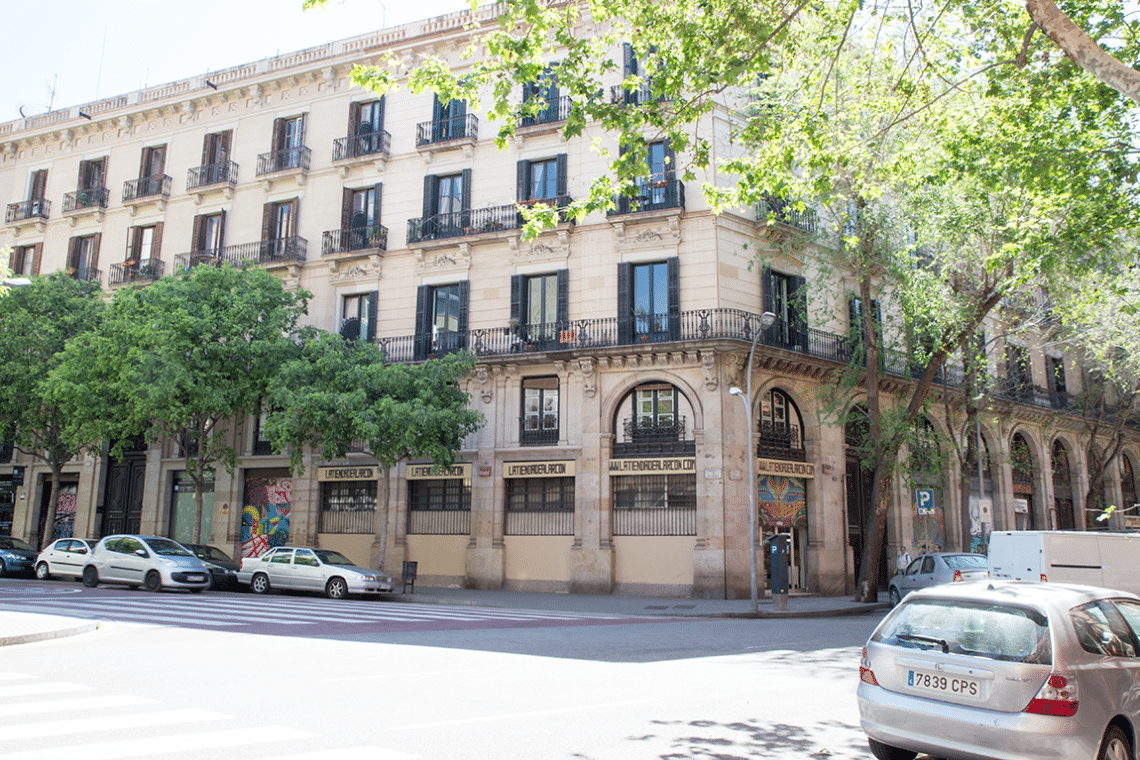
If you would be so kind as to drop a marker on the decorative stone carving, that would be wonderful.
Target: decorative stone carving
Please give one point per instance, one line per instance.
(483, 375)
(708, 361)
(256, 94)
(589, 381)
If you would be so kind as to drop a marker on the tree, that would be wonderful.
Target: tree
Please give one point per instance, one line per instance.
(338, 394)
(37, 322)
(181, 357)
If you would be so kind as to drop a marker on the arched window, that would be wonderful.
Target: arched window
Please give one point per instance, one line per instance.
(1127, 483)
(780, 427)
(1062, 487)
(1024, 504)
(655, 420)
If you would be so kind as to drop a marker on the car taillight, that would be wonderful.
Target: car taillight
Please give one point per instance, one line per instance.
(1057, 696)
(957, 576)
(866, 675)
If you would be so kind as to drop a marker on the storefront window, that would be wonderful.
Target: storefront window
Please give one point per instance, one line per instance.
(348, 506)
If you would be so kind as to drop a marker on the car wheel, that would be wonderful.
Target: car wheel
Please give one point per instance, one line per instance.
(887, 752)
(259, 584)
(336, 588)
(42, 572)
(895, 599)
(1115, 745)
(153, 581)
(3, 570)
(90, 576)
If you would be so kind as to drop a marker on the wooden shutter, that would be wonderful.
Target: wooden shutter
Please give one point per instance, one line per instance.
(197, 234)
(81, 183)
(431, 195)
(353, 124)
(373, 299)
(73, 253)
(39, 184)
(563, 313)
(278, 134)
(421, 343)
(767, 288)
(377, 192)
(798, 315)
(207, 149)
(37, 256)
(464, 307)
(222, 230)
(301, 122)
(673, 271)
(156, 241)
(522, 188)
(380, 107)
(438, 114)
(134, 243)
(95, 240)
(670, 162)
(465, 202)
(518, 284)
(629, 61)
(267, 227)
(346, 208)
(144, 162)
(562, 178)
(625, 303)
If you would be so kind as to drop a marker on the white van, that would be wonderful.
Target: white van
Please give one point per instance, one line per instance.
(1093, 558)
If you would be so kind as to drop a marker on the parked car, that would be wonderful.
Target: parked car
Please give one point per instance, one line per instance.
(1006, 670)
(63, 558)
(152, 562)
(932, 569)
(223, 569)
(303, 569)
(16, 557)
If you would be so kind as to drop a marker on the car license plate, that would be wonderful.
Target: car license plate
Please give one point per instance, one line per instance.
(193, 578)
(935, 682)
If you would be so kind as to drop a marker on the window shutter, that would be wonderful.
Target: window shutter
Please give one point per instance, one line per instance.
(379, 188)
(518, 281)
(854, 309)
(156, 241)
(95, 240)
(73, 253)
(301, 121)
(437, 111)
(144, 163)
(421, 343)
(346, 208)
(158, 161)
(221, 230)
(563, 299)
(197, 233)
(431, 195)
(798, 317)
(224, 141)
(134, 240)
(670, 162)
(629, 61)
(562, 178)
(37, 255)
(673, 270)
(464, 305)
(267, 231)
(353, 124)
(81, 183)
(465, 203)
(39, 185)
(522, 188)
(373, 298)
(625, 303)
(278, 134)
(877, 313)
(207, 149)
(294, 218)
(381, 109)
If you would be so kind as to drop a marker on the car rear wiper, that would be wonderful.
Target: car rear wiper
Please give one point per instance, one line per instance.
(925, 640)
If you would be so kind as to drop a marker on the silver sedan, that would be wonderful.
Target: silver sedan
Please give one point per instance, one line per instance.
(304, 569)
(932, 569)
(1004, 670)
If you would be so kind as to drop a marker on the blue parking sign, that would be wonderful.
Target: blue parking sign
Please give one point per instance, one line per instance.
(924, 500)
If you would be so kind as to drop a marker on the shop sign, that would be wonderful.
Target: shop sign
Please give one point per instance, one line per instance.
(538, 469)
(682, 465)
(786, 469)
(329, 474)
(431, 472)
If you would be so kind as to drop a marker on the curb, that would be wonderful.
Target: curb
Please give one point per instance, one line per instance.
(29, 638)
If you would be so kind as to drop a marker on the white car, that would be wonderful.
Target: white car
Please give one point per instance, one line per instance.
(303, 569)
(63, 558)
(152, 562)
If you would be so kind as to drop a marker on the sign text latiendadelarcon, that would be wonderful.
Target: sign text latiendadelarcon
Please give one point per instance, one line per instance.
(678, 465)
(431, 472)
(787, 469)
(539, 469)
(326, 474)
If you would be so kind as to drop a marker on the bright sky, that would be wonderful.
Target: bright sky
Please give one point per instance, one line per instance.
(92, 49)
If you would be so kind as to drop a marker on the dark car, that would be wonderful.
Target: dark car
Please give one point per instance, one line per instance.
(223, 570)
(16, 557)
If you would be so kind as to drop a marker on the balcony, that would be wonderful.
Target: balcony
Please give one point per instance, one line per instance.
(209, 175)
(556, 111)
(784, 212)
(780, 442)
(289, 159)
(651, 196)
(371, 144)
(653, 439)
(144, 188)
(147, 270)
(462, 223)
(85, 274)
(643, 93)
(536, 437)
(36, 208)
(355, 239)
(447, 130)
(286, 250)
(91, 198)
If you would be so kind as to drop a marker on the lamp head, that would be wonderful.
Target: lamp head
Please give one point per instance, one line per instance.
(734, 391)
(767, 319)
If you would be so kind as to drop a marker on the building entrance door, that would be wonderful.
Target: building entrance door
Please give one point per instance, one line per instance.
(122, 510)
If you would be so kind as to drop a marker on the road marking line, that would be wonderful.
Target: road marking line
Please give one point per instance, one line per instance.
(148, 607)
(401, 675)
(13, 676)
(349, 753)
(136, 615)
(163, 745)
(108, 723)
(64, 705)
(41, 688)
(512, 716)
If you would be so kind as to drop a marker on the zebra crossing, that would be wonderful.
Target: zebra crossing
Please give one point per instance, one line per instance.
(46, 720)
(290, 615)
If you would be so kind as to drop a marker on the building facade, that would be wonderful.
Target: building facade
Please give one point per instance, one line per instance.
(613, 457)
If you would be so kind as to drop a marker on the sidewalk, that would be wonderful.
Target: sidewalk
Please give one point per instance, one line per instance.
(25, 628)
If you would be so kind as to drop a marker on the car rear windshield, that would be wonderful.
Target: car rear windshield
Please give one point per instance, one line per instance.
(993, 631)
(966, 561)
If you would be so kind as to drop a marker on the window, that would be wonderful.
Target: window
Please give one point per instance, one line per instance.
(91, 174)
(26, 260)
(209, 233)
(152, 170)
(358, 316)
(449, 120)
(1055, 372)
(447, 199)
(1019, 371)
(543, 180)
(544, 89)
(360, 218)
(655, 505)
(145, 243)
(278, 224)
(780, 427)
(439, 507)
(348, 506)
(1127, 480)
(215, 160)
(289, 143)
(785, 296)
(441, 319)
(540, 411)
(655, 407)
(540, 307)
(261, 444)
(539, 507)
(366, 128)
(83, 257)
(649, 306)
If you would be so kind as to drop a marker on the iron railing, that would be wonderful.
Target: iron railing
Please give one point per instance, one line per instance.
(278, 251)
(556, 110)
(654, 439)
(356, 146)
(284, 160)
(446, 130)
(212, 174)
(547, 437)
(779, 441)
(439, 522)
(87, 274)
(347, 521)
(29, 209)
(146, 270)
(643, 93)
(785, 212)
(146, 187)
(475, 221)
(92, 197)
(651, 196)
(355, 239)
(669, 521)
(546, 522)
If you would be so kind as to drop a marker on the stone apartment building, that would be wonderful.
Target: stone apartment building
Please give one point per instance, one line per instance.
(613, 458)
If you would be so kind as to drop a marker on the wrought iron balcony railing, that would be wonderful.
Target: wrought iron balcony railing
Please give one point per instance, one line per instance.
(212, 174)
(547, 437)
(785, 212)
(446, 130)
(146, 187)
(474, 221)
(279, 251)
(87, 274)
(651, 196)
(355, 239)
(556, 110)
(643, 93)
(92, 197)
(36, 208)
(359, 145)
(146, 270)
(284, 160)
(779, 441)
(644, 439)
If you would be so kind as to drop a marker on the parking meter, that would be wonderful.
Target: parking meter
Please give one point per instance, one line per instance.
(778, 561)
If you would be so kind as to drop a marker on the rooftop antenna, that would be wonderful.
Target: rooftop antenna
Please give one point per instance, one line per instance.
(99, 76)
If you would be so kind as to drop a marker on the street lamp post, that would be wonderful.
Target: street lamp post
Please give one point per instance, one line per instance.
(767, 319)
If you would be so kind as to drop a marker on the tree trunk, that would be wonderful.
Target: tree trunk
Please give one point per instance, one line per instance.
(380, 542)
(53, 501)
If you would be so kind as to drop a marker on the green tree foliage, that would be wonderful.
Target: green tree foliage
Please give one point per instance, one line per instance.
(180, 358)
(339, 394)
(37, 322)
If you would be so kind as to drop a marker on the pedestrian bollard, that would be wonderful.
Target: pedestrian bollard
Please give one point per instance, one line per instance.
(779, 565)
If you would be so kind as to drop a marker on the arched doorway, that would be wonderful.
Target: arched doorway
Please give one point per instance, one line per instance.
(981, 500)
(926, 469)
(858, 490)
(1063, 518)
(1100, 498)
(782, 498)
(1127, 486)
(1024, 470)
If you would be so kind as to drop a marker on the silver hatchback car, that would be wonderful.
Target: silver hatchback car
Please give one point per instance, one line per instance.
(152, 562)
(1004, 670)
(934, 568)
